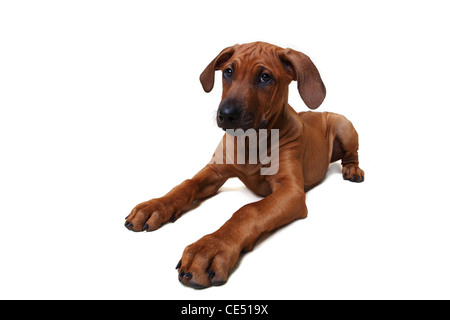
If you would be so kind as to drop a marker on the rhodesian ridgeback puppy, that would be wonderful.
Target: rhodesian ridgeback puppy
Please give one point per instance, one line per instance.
(256, 77)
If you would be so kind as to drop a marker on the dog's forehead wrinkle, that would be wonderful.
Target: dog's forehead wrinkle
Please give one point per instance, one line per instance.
(254, 64)
(250, 68)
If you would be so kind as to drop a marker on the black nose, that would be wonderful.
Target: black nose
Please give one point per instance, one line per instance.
(228, 114)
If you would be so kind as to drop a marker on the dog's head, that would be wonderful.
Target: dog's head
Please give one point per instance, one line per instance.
(256, 78)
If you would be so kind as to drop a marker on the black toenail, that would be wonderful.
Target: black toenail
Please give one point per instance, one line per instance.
(210, 274)
(188, 275)
(128, 224)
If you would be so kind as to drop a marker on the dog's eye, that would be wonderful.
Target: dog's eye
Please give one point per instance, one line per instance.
(228, 73)
(265, 78)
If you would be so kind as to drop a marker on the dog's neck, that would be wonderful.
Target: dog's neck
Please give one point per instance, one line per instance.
(287, 121)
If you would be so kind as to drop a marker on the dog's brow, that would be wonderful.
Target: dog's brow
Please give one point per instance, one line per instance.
(262, 67)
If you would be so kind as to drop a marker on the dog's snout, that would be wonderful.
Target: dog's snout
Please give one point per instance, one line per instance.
(228, 114)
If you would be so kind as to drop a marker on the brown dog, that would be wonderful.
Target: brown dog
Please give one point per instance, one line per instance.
(255, 96)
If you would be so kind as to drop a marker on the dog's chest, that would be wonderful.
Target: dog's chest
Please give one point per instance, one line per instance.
(255, 182)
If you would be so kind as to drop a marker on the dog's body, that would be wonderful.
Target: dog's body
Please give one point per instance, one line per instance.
(255, 91)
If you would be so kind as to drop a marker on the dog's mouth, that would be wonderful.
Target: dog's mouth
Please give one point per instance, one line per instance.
(247, 122)
(243, 126)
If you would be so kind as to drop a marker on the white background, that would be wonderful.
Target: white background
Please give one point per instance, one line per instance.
(101, 108)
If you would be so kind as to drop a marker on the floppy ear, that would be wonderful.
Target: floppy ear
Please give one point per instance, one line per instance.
(207, 76)
(300, 68)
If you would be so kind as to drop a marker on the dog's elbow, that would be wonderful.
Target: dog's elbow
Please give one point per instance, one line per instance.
(297, 204)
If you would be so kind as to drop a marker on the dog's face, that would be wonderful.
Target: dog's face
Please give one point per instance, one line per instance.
(256, 77)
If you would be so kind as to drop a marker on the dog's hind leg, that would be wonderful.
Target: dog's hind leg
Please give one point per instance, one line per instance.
(345, 147)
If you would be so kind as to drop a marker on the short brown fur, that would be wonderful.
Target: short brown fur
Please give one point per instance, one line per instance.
(309, 141)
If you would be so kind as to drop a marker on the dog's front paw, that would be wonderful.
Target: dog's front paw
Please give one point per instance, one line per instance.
(352, 173)
(207, 262)
(149, 215)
